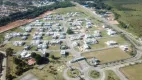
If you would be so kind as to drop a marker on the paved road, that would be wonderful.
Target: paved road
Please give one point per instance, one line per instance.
(100, 49)
(4, 64)
(120, 74)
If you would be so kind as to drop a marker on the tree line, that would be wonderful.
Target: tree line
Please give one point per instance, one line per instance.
(98, 4)
(32, 13)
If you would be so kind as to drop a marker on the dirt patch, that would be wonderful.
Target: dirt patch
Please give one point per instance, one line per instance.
(22, 22)
(114, 22)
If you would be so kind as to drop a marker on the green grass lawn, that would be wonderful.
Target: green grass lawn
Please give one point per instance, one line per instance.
(110, 75)
(108, 55)
(56, 47)
(133, 72)
(104, 33)
(47, 38)
(10, 45)
(116, 38)
(99, 45)
(16, 39)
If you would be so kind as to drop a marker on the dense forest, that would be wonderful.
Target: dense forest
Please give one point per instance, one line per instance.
(32, 13)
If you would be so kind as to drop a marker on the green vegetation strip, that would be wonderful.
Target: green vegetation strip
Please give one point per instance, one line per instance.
(73, 73)
(111, 75)
(94, 74)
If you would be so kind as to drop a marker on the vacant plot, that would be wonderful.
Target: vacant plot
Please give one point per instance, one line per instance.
(108, 55)
(50, 72)
(110, 75)
(133, 72)
(29, 76)
(129, 12)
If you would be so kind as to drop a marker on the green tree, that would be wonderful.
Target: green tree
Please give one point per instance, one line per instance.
(16, 60)
(47, 54)
(10, 77)
(38, 59)
(33, 54)
(69, 31)
(9, 51)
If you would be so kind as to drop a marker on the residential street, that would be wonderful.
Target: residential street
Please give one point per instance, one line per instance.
(3, 77)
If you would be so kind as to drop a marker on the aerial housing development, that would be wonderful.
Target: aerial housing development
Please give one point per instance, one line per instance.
(72, 43)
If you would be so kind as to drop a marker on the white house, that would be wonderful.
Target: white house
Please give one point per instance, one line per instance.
(85, 46)
(104, 26)
(89, 36)
(55, 41)
(18, 43)
(111, 32)
(63, 52)
(75, 43)
(111, 43)
(25, 34)
(124, 47)
(28, 29)
(90, 41)
(97, 33)
(24, 54)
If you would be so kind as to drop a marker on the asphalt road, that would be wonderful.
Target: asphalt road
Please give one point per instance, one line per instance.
(4, 64)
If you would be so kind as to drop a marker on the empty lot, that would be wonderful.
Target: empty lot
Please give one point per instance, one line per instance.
(133, 72)
(108, 55)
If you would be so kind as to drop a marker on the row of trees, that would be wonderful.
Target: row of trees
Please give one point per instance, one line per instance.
(32, 13)
(98, 4)
(39, 59)
(21, 66)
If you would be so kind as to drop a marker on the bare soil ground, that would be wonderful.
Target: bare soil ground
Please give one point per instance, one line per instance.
(114, 22)
(21, 22)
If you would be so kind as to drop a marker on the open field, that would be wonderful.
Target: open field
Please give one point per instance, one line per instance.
(129, 12)
(46, 72)
(11, 66)
(133, 72)
(108, 55)
(110, 75)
